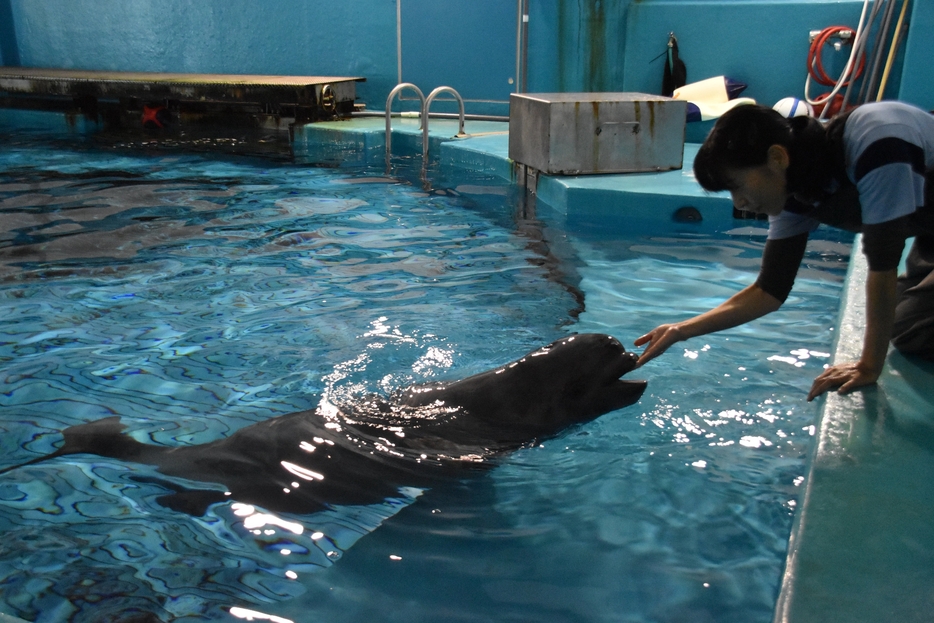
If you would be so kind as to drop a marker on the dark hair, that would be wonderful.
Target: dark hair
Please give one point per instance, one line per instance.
(741, 139)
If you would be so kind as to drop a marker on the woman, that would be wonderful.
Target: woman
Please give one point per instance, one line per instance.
(871, 171)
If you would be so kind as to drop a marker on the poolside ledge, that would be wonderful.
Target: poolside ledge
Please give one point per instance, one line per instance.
(862, 548)
(629, 200)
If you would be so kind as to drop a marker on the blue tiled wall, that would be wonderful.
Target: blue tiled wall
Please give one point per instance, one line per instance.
(917, 85)
(574, 45)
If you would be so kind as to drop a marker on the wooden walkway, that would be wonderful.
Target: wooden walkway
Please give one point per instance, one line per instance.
(30, 85)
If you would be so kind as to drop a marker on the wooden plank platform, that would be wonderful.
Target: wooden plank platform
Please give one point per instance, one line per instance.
(262, 89)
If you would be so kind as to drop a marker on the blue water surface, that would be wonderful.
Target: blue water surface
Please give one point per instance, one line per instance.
(193, 296)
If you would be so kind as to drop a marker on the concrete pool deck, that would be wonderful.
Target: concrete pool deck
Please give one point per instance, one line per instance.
(862, 545)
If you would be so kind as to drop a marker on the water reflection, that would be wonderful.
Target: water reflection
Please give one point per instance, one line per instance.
(253, 615)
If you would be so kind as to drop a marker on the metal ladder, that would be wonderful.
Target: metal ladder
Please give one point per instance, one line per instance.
(392, 94)
(426, 105)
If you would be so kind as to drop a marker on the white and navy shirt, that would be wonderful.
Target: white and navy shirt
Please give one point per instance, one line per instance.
(889, 152)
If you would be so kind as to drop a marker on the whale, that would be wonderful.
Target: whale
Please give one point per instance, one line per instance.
(369, 449)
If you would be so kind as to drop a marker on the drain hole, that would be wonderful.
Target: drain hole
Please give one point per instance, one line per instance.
(687, 214)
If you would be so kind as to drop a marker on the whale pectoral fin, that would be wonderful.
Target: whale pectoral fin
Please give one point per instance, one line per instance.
(91, 437)
(194, 502)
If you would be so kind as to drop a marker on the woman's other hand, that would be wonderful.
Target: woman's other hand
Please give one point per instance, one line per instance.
(848, 376)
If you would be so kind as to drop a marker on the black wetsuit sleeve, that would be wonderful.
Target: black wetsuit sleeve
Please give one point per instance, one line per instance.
(883, 243)
(780, 261)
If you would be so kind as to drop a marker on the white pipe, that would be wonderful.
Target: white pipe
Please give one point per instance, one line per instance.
(859, 49)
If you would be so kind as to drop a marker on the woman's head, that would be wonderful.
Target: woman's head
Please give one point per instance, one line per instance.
(740, 139)
(758, 145)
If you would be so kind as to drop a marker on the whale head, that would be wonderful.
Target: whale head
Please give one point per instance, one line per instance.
(570, 381)
(581, 377)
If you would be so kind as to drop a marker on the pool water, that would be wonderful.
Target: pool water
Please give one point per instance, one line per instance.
(194, 296)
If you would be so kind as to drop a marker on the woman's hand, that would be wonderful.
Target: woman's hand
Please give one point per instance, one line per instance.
(748, 304)
(880, 316)
(658, 339)
(848, 376)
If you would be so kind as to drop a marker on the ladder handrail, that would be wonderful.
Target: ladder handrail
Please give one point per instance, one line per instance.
(392, 94)
(427, 105)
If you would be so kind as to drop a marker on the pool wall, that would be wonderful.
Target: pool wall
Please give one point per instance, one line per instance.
(467, 44)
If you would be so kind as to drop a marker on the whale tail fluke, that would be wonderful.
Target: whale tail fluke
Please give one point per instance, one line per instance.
(102, 437)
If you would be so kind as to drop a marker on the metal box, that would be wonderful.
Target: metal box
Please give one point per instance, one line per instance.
(575, 133)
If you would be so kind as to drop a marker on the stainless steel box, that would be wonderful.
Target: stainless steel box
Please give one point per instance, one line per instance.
(575, 133)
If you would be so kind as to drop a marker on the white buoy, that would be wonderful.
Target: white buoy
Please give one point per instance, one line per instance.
(793, 107)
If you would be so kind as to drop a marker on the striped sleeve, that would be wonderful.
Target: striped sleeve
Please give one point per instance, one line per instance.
(788, 224)
(889, 174)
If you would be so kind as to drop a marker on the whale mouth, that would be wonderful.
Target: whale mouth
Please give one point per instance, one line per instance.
(624, 364)
(616, 392)
(631, 390)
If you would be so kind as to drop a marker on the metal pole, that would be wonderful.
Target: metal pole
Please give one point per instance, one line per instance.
(896, 40)
(426, 105)
(518, 46)
(525, 46)
(399, 40)
(859, 49)
(879, 51)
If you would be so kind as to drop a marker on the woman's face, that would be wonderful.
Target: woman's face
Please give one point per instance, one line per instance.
(761, 189)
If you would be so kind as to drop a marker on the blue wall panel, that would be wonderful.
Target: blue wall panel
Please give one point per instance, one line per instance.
(9, 47)
(214, 36)
(764, 44)
(917, 84)
(469, 45)
(574, 45)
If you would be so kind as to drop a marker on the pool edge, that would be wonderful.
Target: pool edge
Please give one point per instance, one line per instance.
(859, 543)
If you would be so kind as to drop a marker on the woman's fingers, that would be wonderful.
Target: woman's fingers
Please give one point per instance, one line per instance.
(642, 339)
(659, 339)
(847, 377)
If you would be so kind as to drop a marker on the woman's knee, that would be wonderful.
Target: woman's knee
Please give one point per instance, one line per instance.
(915, 337)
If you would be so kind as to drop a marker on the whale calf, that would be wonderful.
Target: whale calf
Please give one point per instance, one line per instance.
(363, 453)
